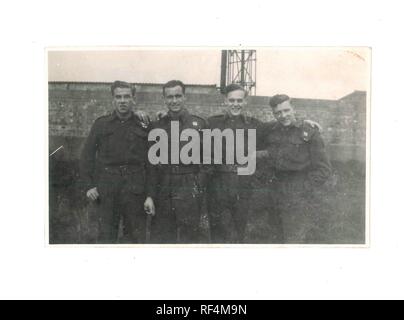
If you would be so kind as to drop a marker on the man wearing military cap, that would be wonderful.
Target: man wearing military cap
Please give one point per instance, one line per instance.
(179, 185)
(296, 152)
(115, 170)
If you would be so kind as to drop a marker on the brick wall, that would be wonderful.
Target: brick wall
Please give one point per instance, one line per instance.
(73, 107)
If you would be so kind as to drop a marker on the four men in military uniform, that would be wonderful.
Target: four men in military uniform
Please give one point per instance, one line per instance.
(122, 183)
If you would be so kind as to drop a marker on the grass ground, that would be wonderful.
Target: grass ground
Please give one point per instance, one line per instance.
(341, 214)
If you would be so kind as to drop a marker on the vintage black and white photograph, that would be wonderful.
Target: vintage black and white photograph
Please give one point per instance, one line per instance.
(208, 146)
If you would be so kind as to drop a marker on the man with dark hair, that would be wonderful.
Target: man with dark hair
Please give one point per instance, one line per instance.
(123, 84)
(179, 189)
(278, 99)
(116, 172)
(173, 84)
(296, 152)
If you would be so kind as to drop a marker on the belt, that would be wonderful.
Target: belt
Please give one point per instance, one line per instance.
(123, 169)
(179, 169)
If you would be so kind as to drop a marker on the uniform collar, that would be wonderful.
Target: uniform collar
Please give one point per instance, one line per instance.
(227, 116)
(296, 124)
(178, 116)
(132, 117)
(114, 116)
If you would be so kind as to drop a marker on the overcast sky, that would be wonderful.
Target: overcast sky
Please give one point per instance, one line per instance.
(323, 73)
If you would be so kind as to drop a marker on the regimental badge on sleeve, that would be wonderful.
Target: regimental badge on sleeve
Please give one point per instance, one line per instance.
(307, 133)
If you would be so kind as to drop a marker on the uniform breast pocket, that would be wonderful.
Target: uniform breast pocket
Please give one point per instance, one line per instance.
(107, 133)
(106, 141)
(134, 134)
(136, 141)
(298, 150)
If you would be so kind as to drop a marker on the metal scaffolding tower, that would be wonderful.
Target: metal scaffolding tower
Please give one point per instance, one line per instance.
(239, 66)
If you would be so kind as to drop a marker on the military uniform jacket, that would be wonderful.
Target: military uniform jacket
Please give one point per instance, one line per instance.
(113, 142)
(186, 121)
(298, 148)
(226, 121)
(174, 176)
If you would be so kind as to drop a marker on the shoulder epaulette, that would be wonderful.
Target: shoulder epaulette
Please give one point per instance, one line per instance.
(198, 117)
(250, 119)
(106, 116)
(198, 121)
(217, 116)
(308, 131)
